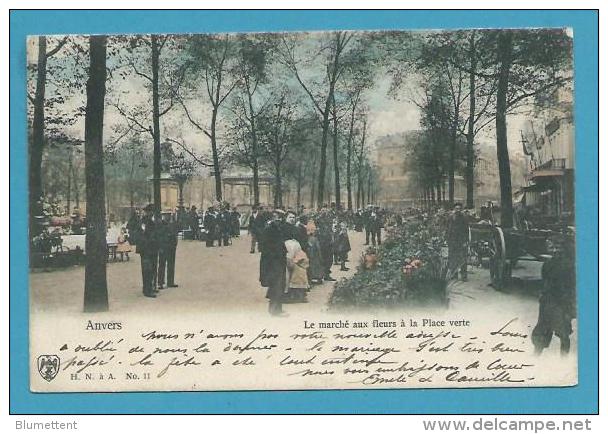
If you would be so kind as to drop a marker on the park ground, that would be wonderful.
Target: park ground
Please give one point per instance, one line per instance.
(225, 279)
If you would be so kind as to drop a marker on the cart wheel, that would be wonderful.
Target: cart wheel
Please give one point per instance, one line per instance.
(499, 267)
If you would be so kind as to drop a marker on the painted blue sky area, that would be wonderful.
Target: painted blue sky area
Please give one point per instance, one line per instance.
(581, 399)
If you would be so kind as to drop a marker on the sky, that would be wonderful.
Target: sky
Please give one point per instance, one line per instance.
(388, 114)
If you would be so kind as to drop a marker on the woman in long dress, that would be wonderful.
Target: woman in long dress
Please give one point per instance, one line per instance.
(315, 269)
(297, 279)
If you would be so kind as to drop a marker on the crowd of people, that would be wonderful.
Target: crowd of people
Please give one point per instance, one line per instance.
(299, 248)
(219, 223)
(156, 242)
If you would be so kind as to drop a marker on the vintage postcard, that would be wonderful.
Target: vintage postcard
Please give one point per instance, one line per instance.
(306, 210)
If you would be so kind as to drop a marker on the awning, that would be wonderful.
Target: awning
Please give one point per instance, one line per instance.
(547, 173)
(519, 196)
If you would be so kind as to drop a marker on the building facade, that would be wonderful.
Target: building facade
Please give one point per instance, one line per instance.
(548, 143)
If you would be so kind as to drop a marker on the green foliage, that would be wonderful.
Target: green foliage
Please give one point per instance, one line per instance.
(418, 241)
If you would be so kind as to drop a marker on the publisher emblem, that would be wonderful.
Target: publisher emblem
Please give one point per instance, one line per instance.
(48, 366)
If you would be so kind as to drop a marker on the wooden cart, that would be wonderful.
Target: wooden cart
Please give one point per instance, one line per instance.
(504, 247)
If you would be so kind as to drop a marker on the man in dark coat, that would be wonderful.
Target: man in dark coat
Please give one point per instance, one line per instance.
(273, 262)
(263, 217)
(167, 246)
(366, 217)
(223, 227)
(193, 218)
(134, 226)
(373, 227)
(210, 224)
(458, 238)
(301, 233)
(147, 247)
(235, 222)
(358, 220)
(252, 228)
(326, 243)
(557, 303)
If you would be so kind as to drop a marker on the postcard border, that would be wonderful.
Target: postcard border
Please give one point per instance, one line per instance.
(580, 399)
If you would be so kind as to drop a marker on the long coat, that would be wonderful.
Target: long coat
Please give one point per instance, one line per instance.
(273, 260)
(315, 258)
(557, 304)
(298, 278)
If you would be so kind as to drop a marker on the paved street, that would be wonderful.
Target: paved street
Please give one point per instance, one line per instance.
(226, 278)
(217, 279)
(223, 279)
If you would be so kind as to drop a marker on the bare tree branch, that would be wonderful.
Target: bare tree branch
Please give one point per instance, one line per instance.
(57, 48)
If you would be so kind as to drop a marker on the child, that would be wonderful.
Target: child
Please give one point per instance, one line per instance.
(297, 277)
(124, 247)
(342, 246)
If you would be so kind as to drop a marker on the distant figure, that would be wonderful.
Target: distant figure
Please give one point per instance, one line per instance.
(458, 238)
(358, 219)
(134, 226)
(123, 246)
(273, 262)
(315, 269)
(326, 243)
(235, 223)
(147, 247)
(210, 224)
(367, 214)
(342, 246)
(167, 247)
(373, 227)
(193, 217)
(252, 228)
(224, 227)
(557, 303)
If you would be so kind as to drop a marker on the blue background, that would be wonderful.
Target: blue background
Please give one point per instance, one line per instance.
(580, 399)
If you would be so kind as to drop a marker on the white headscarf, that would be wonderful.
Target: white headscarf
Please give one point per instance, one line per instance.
(292, 247)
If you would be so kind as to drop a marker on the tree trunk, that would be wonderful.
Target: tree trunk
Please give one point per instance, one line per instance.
(216, 158)
(369, 187)
(299, 187)
(452, 159)
(156, 123)
(254, 151)
(37, 139)
(278, 188)
(70, 170)
(180, 201)
(470, 157)
(131, 186)
(312, 186)
(358, 202)
(323, 163)
(76, 186)
(505, 51)
(336, 162)
(95, 282)
(349, 193)
(439, 196)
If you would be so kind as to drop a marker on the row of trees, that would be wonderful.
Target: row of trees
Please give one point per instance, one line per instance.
(291, 104)
(472, 80)
(260, 101)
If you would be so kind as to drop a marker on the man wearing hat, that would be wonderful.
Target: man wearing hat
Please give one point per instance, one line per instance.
(273, 262)
(457, 237)
(167, 246)
(147, 247)
(193, 218)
